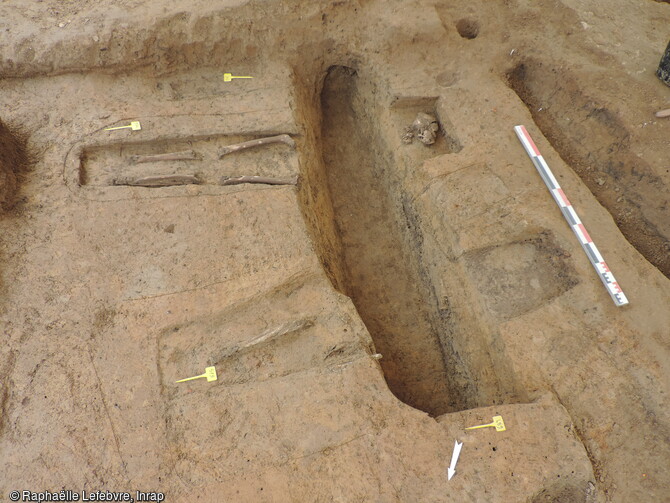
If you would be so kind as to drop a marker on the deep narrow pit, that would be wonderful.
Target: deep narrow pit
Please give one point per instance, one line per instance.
(379, 270)
(595, 142)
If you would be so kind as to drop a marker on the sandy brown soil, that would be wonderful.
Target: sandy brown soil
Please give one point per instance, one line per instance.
(360, 320)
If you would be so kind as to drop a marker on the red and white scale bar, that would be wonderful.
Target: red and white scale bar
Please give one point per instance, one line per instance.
(571, 216)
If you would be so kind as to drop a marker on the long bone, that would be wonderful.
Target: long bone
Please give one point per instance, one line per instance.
(282, 138)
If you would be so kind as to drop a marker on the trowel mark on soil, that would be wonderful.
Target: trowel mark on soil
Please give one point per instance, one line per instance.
(596, 144)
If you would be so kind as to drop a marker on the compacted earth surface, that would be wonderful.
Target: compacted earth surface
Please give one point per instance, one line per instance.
(385, 286)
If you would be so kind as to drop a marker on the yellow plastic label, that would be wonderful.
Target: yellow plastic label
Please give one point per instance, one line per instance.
(134, 125)
(497, 423)
(210, 374)
(227, 77)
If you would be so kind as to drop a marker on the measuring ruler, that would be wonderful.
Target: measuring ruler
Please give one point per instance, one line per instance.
(570, 215)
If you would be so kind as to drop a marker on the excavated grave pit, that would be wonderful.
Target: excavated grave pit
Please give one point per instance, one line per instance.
(370, 238)
(378, 268)
(105, 165)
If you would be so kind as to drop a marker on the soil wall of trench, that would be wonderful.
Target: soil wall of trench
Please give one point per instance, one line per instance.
(13, 162)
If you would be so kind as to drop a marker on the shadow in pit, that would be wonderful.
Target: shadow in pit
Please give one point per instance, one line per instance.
(14, 162)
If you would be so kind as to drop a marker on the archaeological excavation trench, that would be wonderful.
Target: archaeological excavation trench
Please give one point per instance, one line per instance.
(373, 252)
(596, 143)
(138, 259)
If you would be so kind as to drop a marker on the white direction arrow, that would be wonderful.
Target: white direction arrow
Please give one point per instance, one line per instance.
(454, 458)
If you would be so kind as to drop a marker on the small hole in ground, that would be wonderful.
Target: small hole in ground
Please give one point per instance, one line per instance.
(467, 28)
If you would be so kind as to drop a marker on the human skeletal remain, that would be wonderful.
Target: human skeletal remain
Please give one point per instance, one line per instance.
(424, 127)
(186, 155)
(282, 138)
(226, 180)
(158, 181)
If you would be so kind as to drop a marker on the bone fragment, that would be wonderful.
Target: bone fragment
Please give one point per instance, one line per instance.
(258, 179)
(158, 181)
(663, 113)
(291, 326)
(268, 336)
(282, 138)
(186, 155)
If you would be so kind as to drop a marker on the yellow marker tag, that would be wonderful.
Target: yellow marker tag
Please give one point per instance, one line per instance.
(135, 126)
(227, 77)
(497, 423)
(210, 374)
